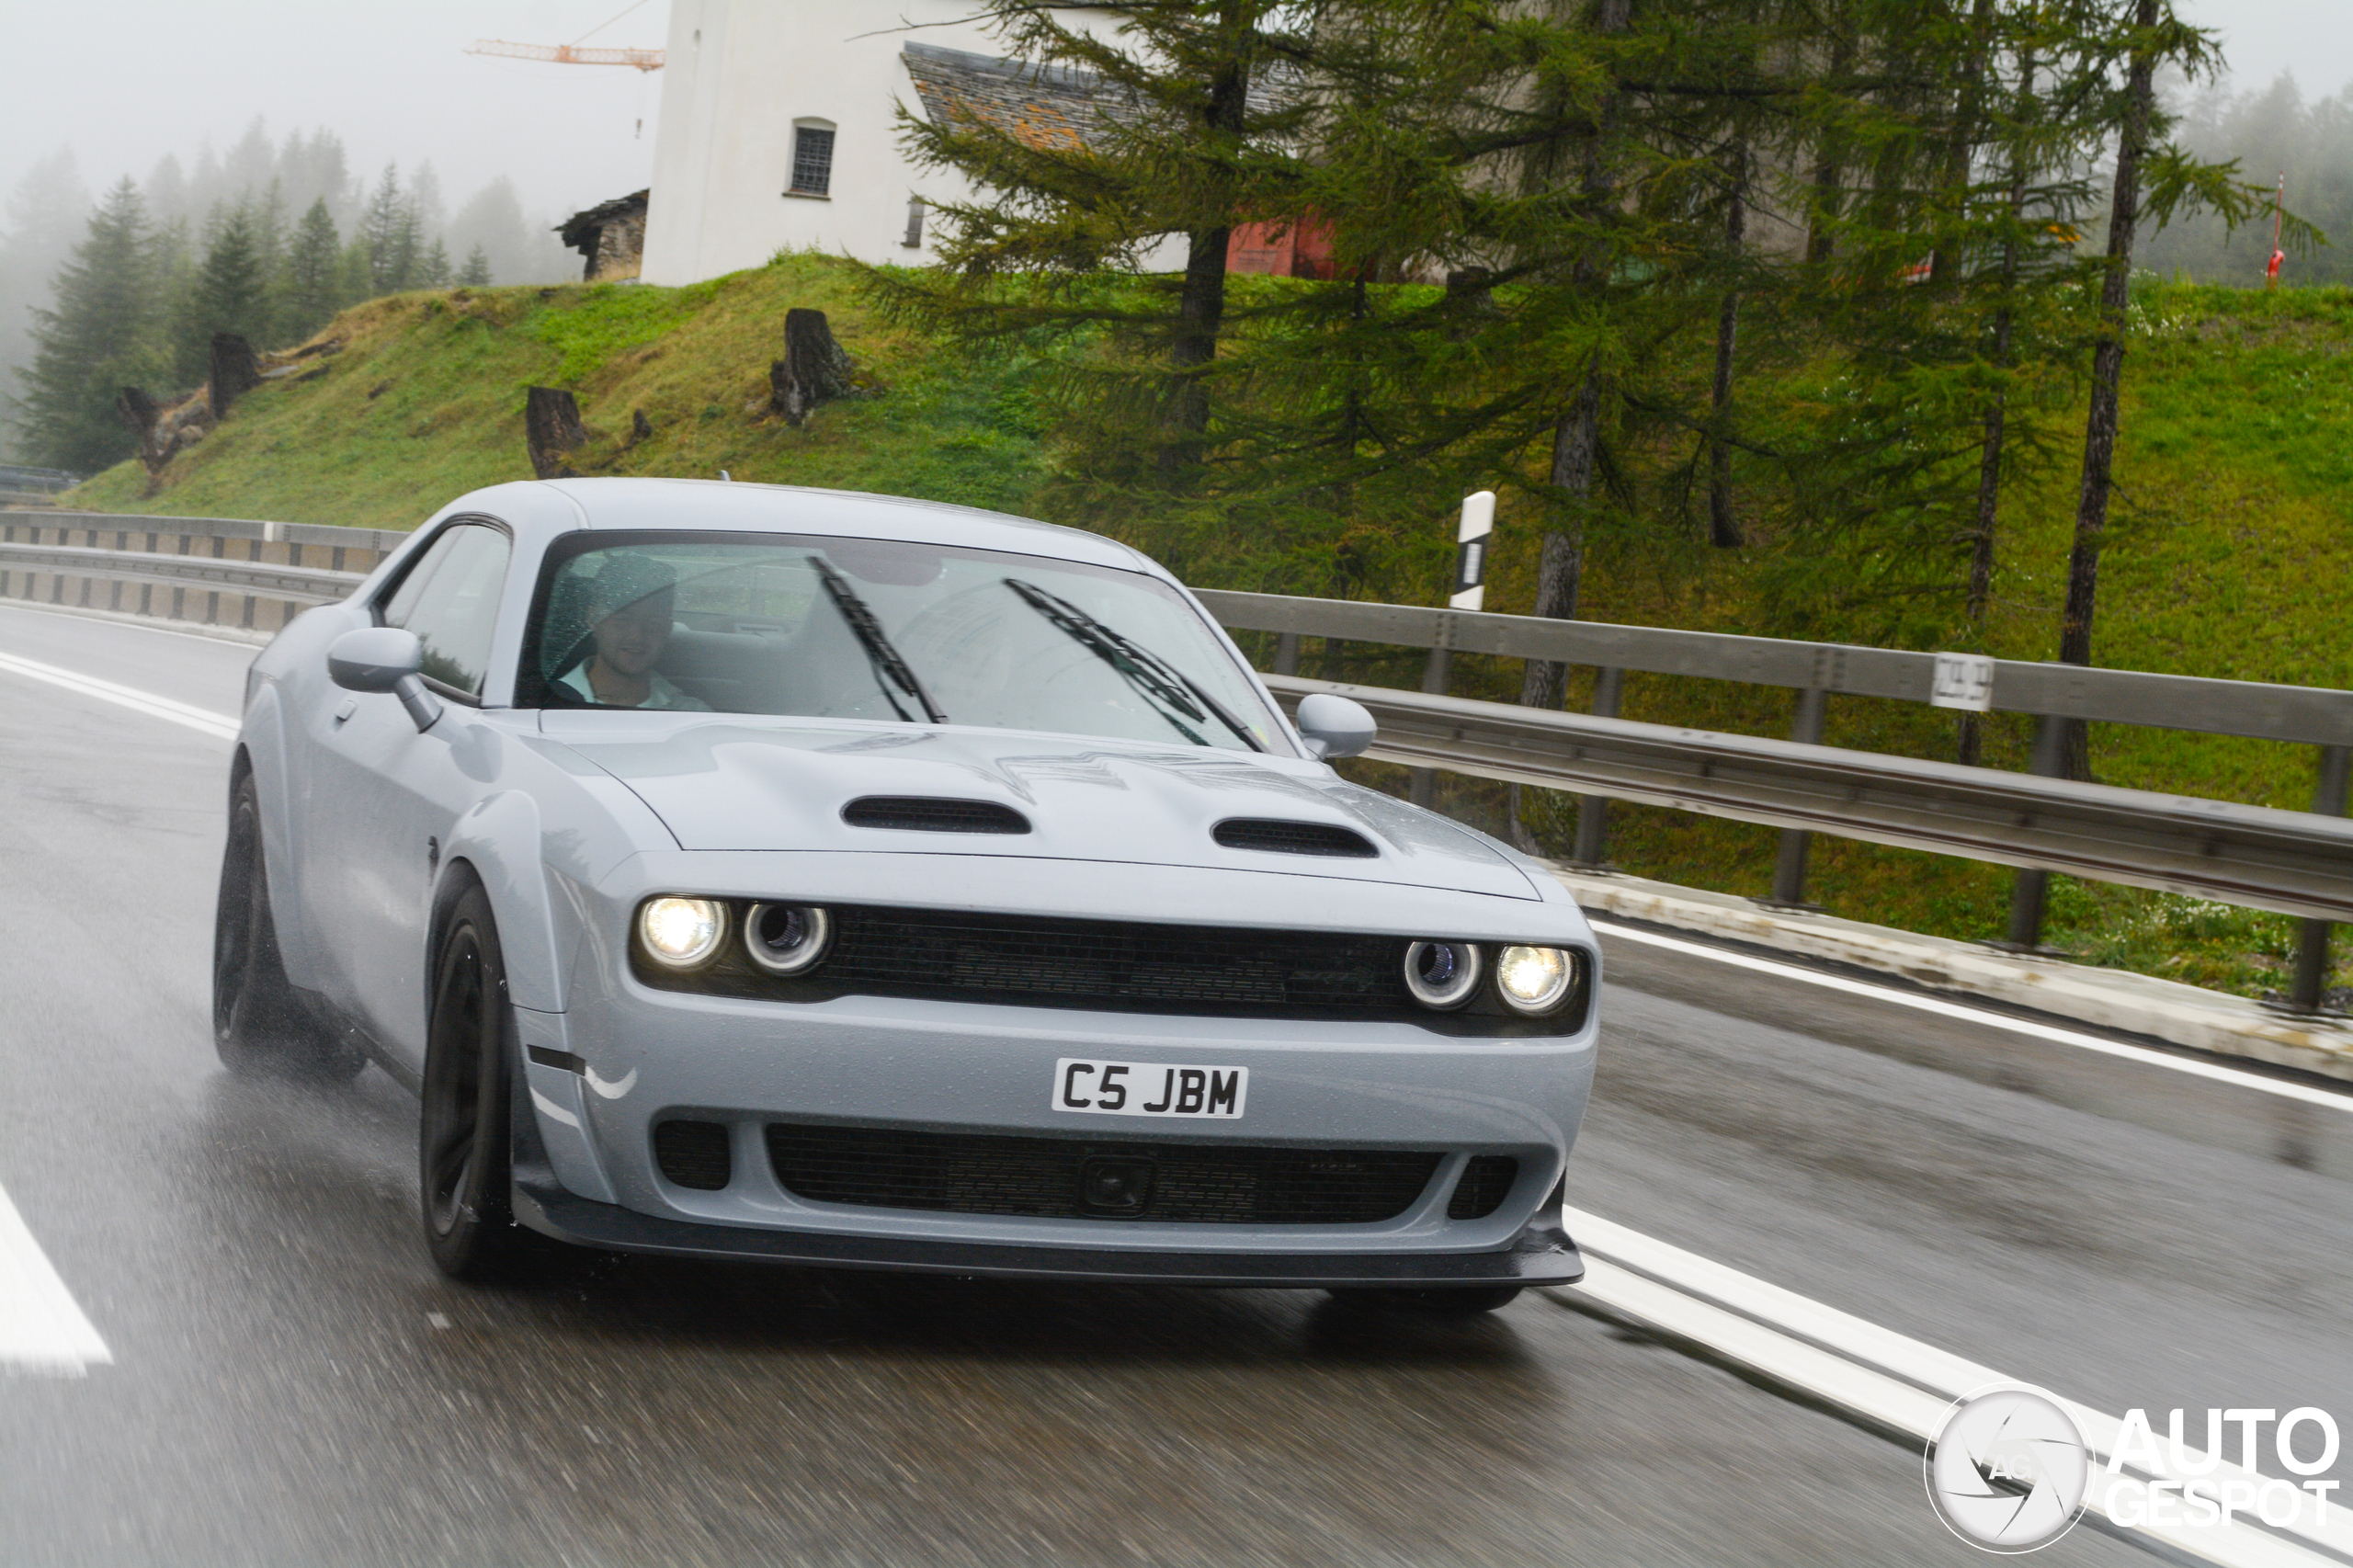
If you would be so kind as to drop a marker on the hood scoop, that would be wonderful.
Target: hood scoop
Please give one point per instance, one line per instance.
(1278, 836)
(933, 813)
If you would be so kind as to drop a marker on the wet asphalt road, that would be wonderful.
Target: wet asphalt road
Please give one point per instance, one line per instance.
(293, 1384)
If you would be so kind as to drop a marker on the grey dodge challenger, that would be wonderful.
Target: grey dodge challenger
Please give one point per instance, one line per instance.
(749, 872)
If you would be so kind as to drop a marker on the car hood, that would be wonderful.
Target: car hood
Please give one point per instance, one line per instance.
(729, 784)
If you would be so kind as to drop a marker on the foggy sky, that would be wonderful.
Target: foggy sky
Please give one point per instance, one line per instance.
(124, 82)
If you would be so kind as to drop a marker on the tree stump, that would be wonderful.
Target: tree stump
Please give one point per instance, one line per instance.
(814, 366)
(138, 414)
(234, 373)
(551, 428)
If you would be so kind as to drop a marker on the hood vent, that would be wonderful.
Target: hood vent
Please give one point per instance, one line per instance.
(932, 813)
(1281, 838)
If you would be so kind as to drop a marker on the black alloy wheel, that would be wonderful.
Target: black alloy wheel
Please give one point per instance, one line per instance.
(260, 1025)
(464, 1153)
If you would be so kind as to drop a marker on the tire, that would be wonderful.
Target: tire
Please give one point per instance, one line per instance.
(259, 1026)
(1436, 1301)
(465, 1158)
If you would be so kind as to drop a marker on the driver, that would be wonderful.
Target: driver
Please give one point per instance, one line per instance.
(631, 601)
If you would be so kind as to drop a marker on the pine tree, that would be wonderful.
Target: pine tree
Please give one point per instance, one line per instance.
(310, 285)
(475, 274)
(388, 230)
(433, 268)
(1190, 136)
(230, 292)
(99, 336)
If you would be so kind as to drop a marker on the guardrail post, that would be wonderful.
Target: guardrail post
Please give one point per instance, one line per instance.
(2029, 891)
(1593, 811)
(1789, 875)
(2309, 994)
(1285, 648)
(1422, 782)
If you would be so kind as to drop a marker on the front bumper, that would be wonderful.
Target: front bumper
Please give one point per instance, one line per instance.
(1541, 1255)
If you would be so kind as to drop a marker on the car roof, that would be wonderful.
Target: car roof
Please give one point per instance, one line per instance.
(736, 506)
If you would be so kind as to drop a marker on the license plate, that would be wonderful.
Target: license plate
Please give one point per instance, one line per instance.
(1149, 1088)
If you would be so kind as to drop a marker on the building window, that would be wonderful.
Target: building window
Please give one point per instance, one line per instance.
(813, 160)
(914, 240)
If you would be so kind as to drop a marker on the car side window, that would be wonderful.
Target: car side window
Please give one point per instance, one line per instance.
(450, 600)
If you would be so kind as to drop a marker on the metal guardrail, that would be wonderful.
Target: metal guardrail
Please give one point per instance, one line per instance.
(2308, 715)
(2298, 863)
(2059, 695)
(295, 584)
(2293, 862)
(275, 569)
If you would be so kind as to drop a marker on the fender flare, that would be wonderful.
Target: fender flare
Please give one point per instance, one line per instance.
(262, 753)
(498, 840)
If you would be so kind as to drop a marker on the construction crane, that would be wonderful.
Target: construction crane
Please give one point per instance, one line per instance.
(568, 53)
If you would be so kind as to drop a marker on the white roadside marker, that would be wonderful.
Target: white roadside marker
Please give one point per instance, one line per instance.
(2283, 1088)
(220, 726)
(41, 1328)
(1895, 1381)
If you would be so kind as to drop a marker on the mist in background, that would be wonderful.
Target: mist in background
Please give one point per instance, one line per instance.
(206, 108)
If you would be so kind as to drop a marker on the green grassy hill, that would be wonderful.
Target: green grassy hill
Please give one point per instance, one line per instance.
(2231, 553)
(423, 401)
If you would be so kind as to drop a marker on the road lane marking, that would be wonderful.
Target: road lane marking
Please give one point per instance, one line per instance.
(2281, 1087)
(220, 726)
(1897, 1382)
(41, 1330)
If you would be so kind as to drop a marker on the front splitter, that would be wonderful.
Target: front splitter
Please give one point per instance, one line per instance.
(1541, 1255)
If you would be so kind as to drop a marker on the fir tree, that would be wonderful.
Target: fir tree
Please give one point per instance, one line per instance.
(99, 336)
(1192, 133)
(230, 292)
(388, 230)
(310, 285)
(475, 274)
(433, 267)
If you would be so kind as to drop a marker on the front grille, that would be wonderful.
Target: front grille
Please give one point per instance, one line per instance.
(1124, 966)
(1100, 963)
(1479, 1190)
(927, 814)
(1182, 1183)
(1293, 837)
(693, 1154)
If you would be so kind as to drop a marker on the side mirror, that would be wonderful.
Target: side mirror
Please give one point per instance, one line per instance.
(384, 658)
(1333, 726)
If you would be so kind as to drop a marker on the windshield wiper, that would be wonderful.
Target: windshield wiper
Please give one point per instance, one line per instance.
(1143, 669)
(889, 668)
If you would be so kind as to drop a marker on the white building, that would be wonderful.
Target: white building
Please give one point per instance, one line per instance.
(779, 126)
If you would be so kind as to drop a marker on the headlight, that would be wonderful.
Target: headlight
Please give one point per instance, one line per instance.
(681, 933)
(785, 938)
(1442, 974)
(1534, 980)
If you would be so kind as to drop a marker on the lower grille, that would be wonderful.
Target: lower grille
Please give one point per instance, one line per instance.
(694, 1153)
(1479, 1190)
(1060, 1178)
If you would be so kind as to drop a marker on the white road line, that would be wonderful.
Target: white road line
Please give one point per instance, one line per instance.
(2283, 1088)
(1896, 1382)
(41, 1328)
(220, 726)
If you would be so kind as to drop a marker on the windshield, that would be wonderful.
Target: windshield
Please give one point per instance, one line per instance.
(882, 629)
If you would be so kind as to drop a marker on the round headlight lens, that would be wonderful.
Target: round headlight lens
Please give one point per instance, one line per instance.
(786, 939)
(1443, 975)
(1534, 980)
(681, 933)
